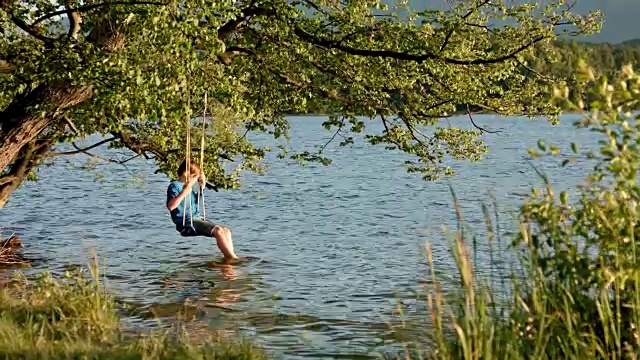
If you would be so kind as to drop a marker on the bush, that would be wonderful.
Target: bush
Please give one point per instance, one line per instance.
(578, 295)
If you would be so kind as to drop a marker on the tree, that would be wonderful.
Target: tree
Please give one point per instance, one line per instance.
(137, 71)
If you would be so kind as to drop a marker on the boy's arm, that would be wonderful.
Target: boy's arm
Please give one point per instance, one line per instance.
(176, 199)
(203, 181)
(201, 185)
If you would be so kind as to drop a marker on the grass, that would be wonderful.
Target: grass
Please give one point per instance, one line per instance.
(74, 317)
(549, 314)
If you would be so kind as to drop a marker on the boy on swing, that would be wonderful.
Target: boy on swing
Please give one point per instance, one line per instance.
(186, 217)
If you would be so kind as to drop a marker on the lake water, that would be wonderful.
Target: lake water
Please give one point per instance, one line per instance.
(339, 246)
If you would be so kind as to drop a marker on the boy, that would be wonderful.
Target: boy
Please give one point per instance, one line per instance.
(176, 193)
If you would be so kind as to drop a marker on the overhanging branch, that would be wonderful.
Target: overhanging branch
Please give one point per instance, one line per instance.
(29, 29)
(482, 130)
(302, 34)
(86, 8)
(83, 150)
(232, 26)
(5, 67)
(233, 51)
(464, 17)
(74, 20)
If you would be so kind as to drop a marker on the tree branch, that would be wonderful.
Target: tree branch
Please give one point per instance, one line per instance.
(414, 132)
(407, 56)
(482, 130)
(6, 178)
(83, 150)
(432, 107)
(71, 125)
(464, 17)
(139, 147)
(30, 30)
(5, 67)
(323, 68)
(385, 123)
(232, 26)
(86, 8)
(233, 51)
(74, 20)
(315, 6)
(86, 152)
(30, 156)
(289, 80)
(122, 162)
(333, 137)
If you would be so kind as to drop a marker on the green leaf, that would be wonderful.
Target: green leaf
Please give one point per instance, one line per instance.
(574, 147)
(541, 145)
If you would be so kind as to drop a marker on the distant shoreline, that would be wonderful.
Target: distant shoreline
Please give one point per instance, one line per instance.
(456, 114)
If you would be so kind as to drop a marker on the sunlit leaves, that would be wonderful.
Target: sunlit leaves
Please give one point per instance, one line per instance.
(588, 242)
(171, 54)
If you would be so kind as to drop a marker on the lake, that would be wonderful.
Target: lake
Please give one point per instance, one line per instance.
(339, 247)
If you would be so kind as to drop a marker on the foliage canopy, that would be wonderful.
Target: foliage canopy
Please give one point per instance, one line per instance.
(135, 71)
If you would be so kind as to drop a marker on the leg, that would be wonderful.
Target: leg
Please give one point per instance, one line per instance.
(224, 242)
(220, 233)
(227, 233)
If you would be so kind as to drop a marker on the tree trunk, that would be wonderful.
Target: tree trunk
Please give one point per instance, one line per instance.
(24, 120)
(29, 158)
(35, 111)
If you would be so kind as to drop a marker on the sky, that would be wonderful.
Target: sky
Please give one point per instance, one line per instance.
(620, 17)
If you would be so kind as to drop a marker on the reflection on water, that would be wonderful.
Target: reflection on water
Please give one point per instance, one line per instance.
(339, 247)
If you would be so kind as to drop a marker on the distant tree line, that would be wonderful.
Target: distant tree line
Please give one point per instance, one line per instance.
(560, 61)
(605, 59)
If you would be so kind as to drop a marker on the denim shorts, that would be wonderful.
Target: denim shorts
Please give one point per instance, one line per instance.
(200, 228)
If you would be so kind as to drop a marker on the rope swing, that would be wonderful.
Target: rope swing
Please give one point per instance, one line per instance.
(204, 122)
(188, 161)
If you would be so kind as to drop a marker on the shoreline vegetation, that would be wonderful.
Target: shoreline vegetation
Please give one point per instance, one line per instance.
(575, 292)
(75, 317)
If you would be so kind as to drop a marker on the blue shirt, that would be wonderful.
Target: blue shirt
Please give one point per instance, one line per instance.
(175, 187)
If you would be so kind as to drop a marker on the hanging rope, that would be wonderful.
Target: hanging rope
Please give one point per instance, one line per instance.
(188, 162)
(204, 122)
